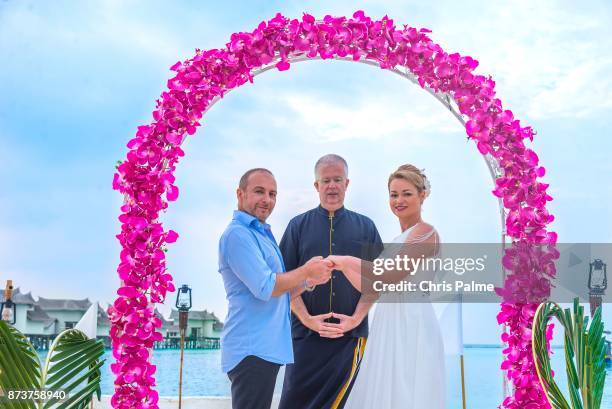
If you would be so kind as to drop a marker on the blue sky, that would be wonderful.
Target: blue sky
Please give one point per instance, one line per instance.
(79, 77)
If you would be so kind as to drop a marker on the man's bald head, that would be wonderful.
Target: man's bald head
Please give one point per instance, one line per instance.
(244, 180)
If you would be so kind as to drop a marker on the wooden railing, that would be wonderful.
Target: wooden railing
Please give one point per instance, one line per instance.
(42, 342)
(190, 343)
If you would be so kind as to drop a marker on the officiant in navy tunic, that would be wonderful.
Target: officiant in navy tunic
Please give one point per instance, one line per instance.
(329, 323)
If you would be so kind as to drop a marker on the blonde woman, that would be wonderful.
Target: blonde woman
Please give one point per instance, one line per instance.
(403, 365)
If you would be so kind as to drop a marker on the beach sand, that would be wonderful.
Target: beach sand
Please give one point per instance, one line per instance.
(188, 402)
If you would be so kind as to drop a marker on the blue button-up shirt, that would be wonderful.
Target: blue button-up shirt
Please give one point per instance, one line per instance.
(256, 323)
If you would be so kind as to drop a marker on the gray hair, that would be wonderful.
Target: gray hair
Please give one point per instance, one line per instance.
(331, 159)
(244, 180)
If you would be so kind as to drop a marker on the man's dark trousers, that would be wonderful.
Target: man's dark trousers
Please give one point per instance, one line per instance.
(253, 381)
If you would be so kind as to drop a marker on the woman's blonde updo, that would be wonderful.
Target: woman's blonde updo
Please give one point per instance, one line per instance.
(413, 175)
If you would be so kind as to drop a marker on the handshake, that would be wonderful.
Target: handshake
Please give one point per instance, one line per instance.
(318, 269)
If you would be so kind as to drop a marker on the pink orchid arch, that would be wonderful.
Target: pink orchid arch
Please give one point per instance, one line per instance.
(146, 178)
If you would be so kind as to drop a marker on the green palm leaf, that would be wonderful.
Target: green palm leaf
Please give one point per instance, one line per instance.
(19, 367)
(73, 365)
(584, 356)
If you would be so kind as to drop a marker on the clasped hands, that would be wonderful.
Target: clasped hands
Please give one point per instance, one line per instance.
(318, 271)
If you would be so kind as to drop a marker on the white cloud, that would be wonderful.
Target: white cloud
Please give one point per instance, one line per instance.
(533, 50)
(107, 25)
(549, 60)
(118, 26)
(579, 92)
(369, 119)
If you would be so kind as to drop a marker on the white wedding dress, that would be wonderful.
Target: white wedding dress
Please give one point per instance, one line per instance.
(403, 364)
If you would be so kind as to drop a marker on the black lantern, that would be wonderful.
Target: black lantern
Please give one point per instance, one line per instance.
(598, 277)
(183, 298)
(8, 309)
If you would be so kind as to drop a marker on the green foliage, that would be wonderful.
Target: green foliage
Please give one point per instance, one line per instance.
(72, 366)
(584, 356)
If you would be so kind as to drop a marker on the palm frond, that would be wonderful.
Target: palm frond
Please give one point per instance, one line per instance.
(73, 365)
(584, 347)
(19, 367)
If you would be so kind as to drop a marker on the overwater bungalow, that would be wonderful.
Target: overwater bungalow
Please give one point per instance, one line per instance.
(43, 319)
(203, 331)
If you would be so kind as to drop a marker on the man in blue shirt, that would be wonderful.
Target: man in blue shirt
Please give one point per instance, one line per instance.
(256, 338)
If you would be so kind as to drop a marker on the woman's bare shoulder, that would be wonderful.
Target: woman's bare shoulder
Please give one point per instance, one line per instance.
(422, 228)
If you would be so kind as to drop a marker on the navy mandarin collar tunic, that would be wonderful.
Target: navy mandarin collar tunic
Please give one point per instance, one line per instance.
(319, 232)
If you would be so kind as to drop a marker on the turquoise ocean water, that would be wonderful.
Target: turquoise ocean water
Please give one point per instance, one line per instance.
(202, 376)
